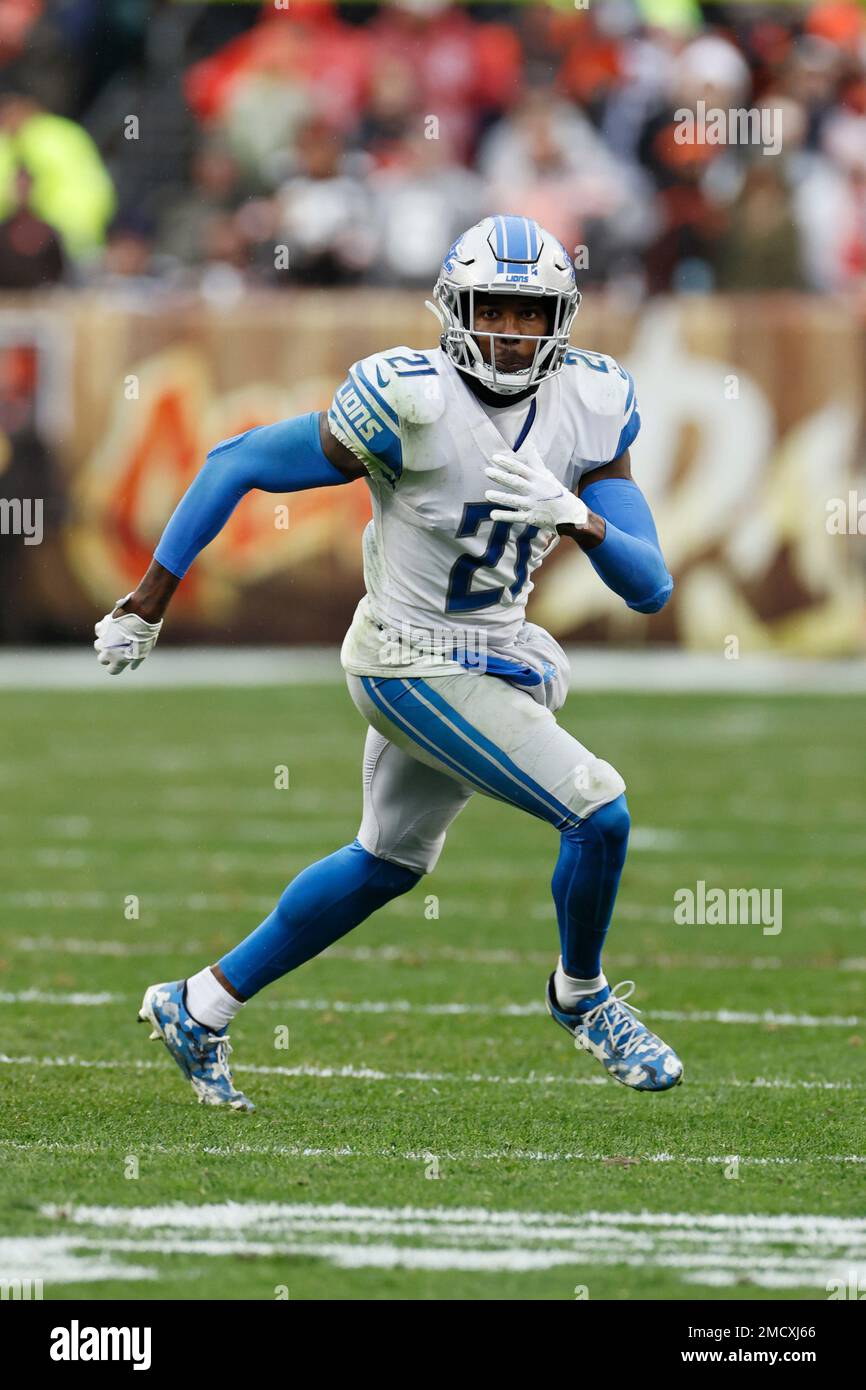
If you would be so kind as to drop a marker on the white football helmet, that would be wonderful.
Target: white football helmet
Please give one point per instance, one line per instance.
(505, 255)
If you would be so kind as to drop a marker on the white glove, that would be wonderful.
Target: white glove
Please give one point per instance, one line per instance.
(532, 494)
(124, 641)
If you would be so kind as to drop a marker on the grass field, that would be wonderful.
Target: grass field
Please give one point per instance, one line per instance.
(427, 1132)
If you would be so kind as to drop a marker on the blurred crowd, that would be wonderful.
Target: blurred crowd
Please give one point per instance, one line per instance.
(148, 145)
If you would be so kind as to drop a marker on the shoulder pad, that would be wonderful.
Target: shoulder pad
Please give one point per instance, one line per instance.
(602, 385)
(603, 405)
(404, 379)
(382, 395)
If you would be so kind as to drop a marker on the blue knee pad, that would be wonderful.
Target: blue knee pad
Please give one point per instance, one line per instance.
(611, 821)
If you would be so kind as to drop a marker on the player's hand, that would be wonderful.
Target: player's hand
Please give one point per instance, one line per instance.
(530, 493)
(124, 640)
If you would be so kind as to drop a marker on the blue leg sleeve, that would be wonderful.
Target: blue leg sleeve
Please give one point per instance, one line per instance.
(324, 902)
(584, 885)
(286, 457)
(629, 559)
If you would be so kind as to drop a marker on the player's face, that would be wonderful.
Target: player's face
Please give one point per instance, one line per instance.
(522, 320)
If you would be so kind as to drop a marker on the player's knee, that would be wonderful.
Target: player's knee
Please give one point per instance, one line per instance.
(387, 874)
(394, 879)
(410, 859)
(612, 821)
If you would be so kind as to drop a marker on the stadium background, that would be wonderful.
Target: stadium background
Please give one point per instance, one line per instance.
(209, 211)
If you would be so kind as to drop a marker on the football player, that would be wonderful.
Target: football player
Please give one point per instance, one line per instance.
(480, 455)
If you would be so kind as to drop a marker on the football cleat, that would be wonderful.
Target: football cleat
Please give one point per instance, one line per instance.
(605, 1026)
(201, 1054)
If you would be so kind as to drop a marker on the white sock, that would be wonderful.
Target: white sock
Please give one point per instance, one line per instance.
(569, 991)
(208, 1002)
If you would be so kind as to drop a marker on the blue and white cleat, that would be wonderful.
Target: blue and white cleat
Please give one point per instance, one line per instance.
(606, 1026)
(201, 1054)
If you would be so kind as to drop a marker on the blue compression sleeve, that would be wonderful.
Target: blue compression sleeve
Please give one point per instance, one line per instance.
(629, 559)
(286, 457)
(325, 901)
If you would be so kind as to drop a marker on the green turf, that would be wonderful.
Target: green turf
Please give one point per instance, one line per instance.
(170, 797)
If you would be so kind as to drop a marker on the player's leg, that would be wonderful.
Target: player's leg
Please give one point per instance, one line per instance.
(407, 810)
(512, 748)
(505, 744)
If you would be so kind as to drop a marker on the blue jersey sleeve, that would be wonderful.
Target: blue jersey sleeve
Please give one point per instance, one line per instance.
(629, 559)
(285, 457)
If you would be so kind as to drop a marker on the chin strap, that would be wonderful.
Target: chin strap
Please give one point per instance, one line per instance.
(434, 309)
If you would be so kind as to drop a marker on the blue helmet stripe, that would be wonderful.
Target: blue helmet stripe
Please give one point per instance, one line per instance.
(500, 244)
(516, 239)
(630, 398)
(516, 243)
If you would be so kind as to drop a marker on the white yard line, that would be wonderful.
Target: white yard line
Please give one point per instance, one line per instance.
(78, 946)
(429, 955)
(263, 1217)
(534, 1009)
(63, 1263)
(351, 1072)
(458, 1010)
(74, 998)
(779, 1251)
(242, 903)
(424, 1155)
(95, 900)
(57, 1260)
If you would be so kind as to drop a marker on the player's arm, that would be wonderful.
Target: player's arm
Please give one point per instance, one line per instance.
(608, 517)
(610, 520)
(264, 458)
(290, 456)
(620, 537)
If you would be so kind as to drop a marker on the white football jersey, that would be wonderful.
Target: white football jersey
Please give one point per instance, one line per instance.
(437, 570)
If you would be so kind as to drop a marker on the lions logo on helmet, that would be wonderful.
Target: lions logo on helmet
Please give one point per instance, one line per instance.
(505, 255)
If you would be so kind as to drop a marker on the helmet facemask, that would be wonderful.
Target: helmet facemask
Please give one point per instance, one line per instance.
(454, 306)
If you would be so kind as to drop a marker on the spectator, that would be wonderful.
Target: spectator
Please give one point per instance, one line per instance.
(215, 189)
(31, 252)
(309, 128)
(545, 160)
(830, 207)
(760, 250)
(71, 188)
(465, 73)
(325, 218)
(392, 110)
(263, 86)
(422, 201)
(691, 174)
